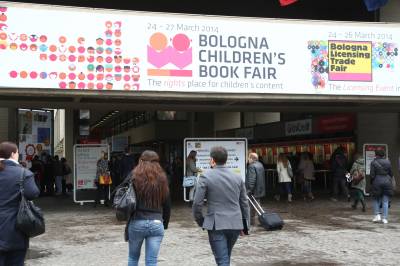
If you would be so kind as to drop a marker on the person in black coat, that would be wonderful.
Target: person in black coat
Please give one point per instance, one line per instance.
(339, 171)
(13, 243)
(127, 163)
(382, 188)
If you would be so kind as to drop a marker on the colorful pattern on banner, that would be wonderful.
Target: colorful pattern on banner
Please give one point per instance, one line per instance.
(116, 50)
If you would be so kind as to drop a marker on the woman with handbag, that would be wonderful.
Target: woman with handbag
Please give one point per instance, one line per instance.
(306, 168)
(358, 181)
(103, 180)
(153, 208)
(13, 243)
(382, 187)
(192, 170)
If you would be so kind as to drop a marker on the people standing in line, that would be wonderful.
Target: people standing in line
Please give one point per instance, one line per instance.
(227, 205)
(255, 182)
(192, 170)
(127, 163)
(48, 176)
(382, 188)
(66, 181)
(306, 170)
(102, 189)
(153, 209)
(358, 184)
(339, 171)
(285, 173)
(37, 169)
(13, 243)
(58, 174)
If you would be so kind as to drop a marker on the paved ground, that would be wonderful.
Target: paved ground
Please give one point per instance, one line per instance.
(316, 233)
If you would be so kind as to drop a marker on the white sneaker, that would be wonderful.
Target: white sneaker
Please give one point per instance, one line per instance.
(289, 198)
(384, 221)
(377, 218)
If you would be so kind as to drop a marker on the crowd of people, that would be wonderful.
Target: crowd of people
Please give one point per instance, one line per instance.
(52, 175)
(228, 213)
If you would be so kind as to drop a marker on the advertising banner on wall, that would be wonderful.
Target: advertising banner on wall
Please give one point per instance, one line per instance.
(126, 50)
(236, 147)
(369, 154)
(35, 133)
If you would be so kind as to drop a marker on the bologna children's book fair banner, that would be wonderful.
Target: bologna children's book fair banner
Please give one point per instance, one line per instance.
(88, 49)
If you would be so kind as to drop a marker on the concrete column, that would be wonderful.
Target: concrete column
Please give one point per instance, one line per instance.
(191, 119)
(4, 124)
(382, 128)
(12, 124)
(69, 139)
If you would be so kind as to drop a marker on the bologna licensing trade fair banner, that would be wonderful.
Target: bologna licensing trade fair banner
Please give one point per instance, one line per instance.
(81, 48)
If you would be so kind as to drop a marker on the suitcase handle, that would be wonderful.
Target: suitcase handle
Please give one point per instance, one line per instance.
(255, 205)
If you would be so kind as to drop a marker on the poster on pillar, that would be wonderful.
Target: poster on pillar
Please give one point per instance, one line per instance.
(143, 51)
(369, 154)
(236, 148)
(35, 128)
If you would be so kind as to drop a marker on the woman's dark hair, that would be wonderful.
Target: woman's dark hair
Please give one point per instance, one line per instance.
(150, 180)
(6, 149)
(380, 153)
(192, 154)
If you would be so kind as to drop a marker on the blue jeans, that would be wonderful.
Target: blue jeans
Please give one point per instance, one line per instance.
(150, 230)
(385, 206)
(286, 187)
(222, 242)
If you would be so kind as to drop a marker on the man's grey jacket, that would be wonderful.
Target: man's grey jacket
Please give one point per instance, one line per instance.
(227, 203)
(255, 179)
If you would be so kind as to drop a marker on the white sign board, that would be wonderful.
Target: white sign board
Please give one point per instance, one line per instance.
(237, 152)
(299, 127)
(131, 51)
(369, 154)
(85, 164)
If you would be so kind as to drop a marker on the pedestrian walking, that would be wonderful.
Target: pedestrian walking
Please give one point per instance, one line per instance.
(153, 209)
(382, 188)
(358, 182)
(339, 171)
(255, 182)
(227, 205)
(306, 170)
(285, 174)
(13, 243)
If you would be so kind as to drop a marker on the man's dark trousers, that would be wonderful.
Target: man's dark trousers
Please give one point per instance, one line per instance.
(222, 242)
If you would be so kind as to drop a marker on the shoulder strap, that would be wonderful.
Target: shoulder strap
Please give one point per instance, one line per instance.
(21, 181)
(380, 166)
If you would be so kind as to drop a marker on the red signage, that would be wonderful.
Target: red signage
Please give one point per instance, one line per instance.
(336, 123)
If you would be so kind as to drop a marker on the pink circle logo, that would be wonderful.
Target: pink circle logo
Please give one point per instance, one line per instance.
(63, 85)
(14, 74)
(181, 42)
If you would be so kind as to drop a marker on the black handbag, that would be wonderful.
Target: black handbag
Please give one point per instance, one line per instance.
(124, 202)
(30, 220)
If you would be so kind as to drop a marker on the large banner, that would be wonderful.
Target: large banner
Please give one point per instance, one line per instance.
(35, 130)
(237, 152)
(88, 49)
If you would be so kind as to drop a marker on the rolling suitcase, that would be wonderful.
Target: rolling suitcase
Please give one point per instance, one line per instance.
(270, 221)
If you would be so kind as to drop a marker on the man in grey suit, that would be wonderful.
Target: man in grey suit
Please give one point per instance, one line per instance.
(227, 203)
